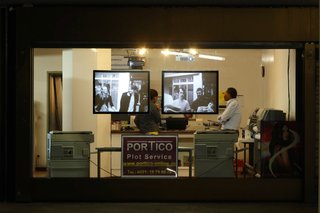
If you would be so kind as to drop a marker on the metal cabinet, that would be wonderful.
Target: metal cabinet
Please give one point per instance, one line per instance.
(214, 151)
(69, 153)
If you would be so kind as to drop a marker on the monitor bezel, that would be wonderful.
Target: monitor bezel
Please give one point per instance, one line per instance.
(120, 71)
(216, 72)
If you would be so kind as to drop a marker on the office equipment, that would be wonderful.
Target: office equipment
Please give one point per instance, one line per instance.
(264, 114)
(69, 153)
(176, 123)
(214, 152)
(255, 121)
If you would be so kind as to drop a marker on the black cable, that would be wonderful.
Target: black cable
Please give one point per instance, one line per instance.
(288, 75)
(112, 175)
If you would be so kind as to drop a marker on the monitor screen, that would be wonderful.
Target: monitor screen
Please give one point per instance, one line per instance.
(190, 92)
(120, 92)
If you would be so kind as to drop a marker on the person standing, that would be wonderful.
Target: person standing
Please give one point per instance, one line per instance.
(181, 102)
(199, 101)
(129, 100)
(231, 116)
(149, 123)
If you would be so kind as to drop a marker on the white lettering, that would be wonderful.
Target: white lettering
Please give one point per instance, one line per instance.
(137, 146)
(157, 157)
(150, 146)
(129, 146)
(133, 157)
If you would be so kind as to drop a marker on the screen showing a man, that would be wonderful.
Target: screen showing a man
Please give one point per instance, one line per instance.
(192, 92)
(121, 91)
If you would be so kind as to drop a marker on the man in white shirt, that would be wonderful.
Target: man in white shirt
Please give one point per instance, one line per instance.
(231, 116)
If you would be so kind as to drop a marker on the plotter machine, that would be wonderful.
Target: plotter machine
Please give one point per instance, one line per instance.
(264, 114)
(253, 138)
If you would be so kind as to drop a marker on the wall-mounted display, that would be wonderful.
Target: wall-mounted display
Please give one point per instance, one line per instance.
(190, 92)
(120, 91)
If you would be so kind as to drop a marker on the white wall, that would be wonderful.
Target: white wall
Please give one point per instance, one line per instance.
(78, 66)
(103, 125)
(45, 60)
(241, 69)
(276, 80)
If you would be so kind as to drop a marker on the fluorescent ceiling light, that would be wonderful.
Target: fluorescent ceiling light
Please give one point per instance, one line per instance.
(193, 51)
(212, 57)
(168, 52)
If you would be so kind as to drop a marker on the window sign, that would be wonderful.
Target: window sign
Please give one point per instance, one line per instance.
(149, 156)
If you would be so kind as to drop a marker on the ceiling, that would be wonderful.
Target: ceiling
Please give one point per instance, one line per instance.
(160, 2)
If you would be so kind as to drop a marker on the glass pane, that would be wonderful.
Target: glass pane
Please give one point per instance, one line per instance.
(258, 75)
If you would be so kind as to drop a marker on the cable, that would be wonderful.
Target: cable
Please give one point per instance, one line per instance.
(112, 175)
(288, 75)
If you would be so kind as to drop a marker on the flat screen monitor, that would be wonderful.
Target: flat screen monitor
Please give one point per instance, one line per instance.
(123, 92)
(190, 92)
(176, 123)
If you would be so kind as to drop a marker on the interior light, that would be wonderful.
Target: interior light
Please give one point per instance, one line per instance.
(193, 51)
(165, 52)
(94, 50)
(267, 58)
(168, 52)
(212, 57)
(142, 51)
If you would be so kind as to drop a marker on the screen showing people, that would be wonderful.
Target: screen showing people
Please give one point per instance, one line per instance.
(120, 91)
(193, 92)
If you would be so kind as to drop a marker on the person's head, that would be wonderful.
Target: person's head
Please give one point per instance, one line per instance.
(199, 92)
(281, 132)
(105, 90)
(181, 94)
(230, 93)
(153, 95)
(108, 87)
(175, 92)
(97, 86)
(134, 89)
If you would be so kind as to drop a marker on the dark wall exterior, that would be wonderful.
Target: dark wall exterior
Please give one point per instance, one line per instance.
(203, 27)
(7, 100)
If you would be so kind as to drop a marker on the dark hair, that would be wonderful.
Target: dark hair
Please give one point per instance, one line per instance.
(277, 139)
(134, 87)
(184, 92)
(176, 89)
(153, 93)
(199, 89)
(97, 82)
(232, 91)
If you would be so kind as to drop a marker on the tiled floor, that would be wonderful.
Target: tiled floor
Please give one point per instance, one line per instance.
(221, 207)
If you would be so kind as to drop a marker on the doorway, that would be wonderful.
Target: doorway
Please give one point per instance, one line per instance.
(55, 102)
